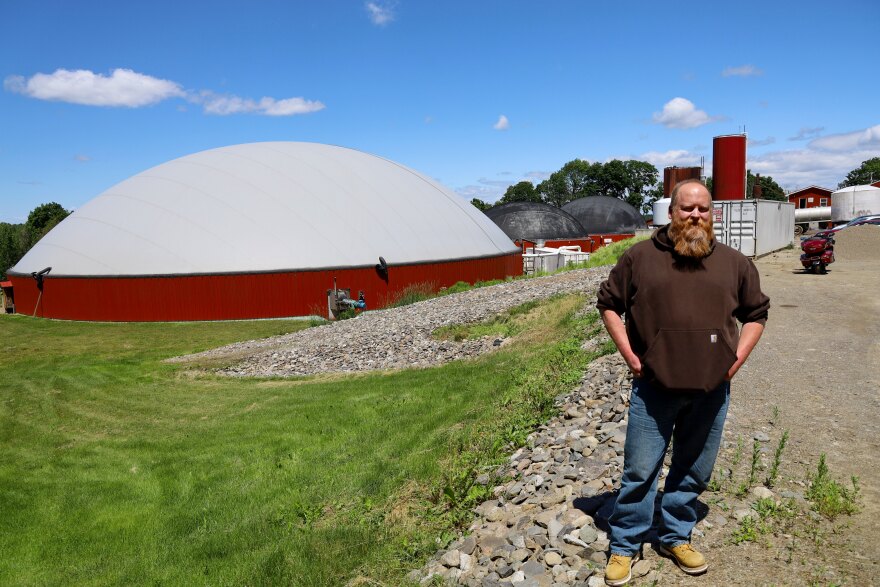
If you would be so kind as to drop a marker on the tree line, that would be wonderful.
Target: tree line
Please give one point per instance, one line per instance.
(638, 183)
(17, 239)
(635, 182)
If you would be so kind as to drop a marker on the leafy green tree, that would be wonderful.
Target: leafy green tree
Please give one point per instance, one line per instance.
(17, 239)
(41, 220)
(45, 215)
(866, 173)
(11, 250)
(612, 179)
(651, 196)
(523, 191)
(480, 204)
(576, 179)
(770, 190)
(642, 186)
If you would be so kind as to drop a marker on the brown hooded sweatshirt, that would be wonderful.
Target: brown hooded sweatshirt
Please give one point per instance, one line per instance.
(681, 313)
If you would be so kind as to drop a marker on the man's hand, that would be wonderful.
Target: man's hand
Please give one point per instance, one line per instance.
(748, 338)
(634, 364)
(617, 331)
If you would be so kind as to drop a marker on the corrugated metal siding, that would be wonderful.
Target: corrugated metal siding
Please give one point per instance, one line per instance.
(239, 296)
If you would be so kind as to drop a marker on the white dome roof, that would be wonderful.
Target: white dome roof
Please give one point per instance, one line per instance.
(266, 207)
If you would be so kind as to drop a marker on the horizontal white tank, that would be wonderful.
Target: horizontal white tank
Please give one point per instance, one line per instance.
(857, 200)
(661, 211)
(812, 214)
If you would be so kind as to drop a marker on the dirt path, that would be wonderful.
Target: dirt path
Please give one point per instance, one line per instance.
(819, 364)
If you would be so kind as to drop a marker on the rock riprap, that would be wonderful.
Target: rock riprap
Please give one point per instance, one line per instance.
(395, 338)
(543, 526)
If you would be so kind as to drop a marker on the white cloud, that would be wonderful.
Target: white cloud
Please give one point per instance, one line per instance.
(380, 13)
(491, 190)
(502, 124)
(825, 161)
(742, 71)
(868, 138)
(762, 142)
(224, 105)
(537, 176)
(675, 157)
(802, 167)
(681, 113)
(485, 193)
(127, 88)
(122, 88)
(807, 132)
(82, 158)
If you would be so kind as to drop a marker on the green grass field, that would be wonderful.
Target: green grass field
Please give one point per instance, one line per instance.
(116, 468)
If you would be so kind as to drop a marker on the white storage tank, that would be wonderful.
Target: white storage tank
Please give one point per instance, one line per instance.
(754, 227)
(661, 211)
(852, 201)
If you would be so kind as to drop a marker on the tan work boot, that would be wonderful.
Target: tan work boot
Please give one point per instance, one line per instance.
(688, 560)
(618, 571)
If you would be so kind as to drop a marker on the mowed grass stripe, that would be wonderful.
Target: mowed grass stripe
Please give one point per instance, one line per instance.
(115, 468)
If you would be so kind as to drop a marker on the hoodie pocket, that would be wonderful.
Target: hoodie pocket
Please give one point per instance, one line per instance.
(689, 360)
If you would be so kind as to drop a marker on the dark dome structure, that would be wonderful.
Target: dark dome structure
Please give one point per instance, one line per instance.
(535, 221)
(605, 215)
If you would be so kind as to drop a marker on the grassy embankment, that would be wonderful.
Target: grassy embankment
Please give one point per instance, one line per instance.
(118, 468)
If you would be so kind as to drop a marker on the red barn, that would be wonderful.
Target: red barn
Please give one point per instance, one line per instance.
(811, 197)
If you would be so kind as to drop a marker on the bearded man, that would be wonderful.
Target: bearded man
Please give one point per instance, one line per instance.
(682, 294)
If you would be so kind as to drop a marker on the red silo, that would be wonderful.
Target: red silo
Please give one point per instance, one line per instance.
(673, 175)
(729, 167)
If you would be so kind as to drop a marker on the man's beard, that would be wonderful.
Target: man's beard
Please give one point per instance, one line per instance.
(691, 240)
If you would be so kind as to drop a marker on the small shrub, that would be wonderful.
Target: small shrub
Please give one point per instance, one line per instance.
(777, 460)
(756, 457)
(829, 497)
(738, 453)
(746, 532)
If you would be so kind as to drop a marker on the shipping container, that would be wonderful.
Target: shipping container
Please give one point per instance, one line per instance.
(754, 227)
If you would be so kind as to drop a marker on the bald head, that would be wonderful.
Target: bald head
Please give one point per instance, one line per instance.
(694, 189)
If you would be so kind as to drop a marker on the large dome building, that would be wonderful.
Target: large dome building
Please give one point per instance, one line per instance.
(535, 221)
(256, 231)
(605, 215)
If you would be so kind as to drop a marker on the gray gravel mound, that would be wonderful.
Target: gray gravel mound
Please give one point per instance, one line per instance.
(394, 338)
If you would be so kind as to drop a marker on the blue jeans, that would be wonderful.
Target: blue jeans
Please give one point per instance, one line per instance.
(693, 422)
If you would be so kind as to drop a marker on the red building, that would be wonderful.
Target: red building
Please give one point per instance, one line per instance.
(811, 197)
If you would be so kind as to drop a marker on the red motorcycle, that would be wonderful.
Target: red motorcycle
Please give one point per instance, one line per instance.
(818, 253)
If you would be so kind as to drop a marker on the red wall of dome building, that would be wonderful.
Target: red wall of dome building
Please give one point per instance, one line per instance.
(240, 296)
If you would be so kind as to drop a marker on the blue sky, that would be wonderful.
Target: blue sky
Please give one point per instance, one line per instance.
(478, 95)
